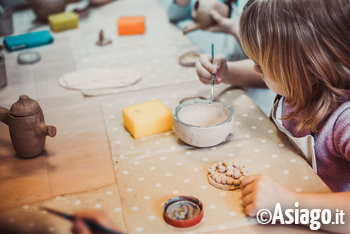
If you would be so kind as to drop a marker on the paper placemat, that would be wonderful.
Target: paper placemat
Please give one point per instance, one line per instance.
(30, 218)
(151, 170)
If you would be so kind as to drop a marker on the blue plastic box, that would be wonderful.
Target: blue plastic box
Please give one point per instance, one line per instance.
(28, 40)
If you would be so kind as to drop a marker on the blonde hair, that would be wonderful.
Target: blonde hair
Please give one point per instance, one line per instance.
(303, 45)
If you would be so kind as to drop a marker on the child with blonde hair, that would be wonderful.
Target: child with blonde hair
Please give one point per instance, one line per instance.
(300, 49)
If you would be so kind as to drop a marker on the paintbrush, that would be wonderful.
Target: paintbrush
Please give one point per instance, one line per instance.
(212, 75)
(92, 225)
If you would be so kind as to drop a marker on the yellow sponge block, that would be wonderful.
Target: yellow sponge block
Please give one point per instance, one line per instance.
(63, 21)
(148, 118)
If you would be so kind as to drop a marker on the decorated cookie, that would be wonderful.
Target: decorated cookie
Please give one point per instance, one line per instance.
(226, 175)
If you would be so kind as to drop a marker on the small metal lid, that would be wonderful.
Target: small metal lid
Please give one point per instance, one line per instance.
(28, 57)
(25, 106)
(183, 211)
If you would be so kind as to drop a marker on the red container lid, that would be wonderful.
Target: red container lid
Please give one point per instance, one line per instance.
(183, 211)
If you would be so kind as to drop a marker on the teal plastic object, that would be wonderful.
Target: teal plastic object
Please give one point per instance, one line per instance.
(28, 40)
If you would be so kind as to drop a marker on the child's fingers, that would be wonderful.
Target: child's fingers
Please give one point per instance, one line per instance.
(249, 188)
(248, 199)
(250, 210)
(247, 180)
(202, 73)
(205, 60)
(219, 62)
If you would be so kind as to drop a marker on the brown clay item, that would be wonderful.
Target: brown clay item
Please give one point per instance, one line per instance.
(201, 12)
(102, 41)
(27, 127)
(189, 59)
(44, 8)
(226, 175)
(98, 3)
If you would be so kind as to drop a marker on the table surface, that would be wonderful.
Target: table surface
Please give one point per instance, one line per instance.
(78, 169)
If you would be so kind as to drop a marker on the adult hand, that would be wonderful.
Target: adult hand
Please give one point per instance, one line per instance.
(263, 192)
(79, 227)
(205, 69)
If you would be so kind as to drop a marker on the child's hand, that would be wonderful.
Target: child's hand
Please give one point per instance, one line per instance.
(205, 69)
(263, 192)
(79, 227)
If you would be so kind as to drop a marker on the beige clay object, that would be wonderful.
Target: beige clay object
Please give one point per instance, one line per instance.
(99, 78)
(203, 123)
(201, 12)
(189, 59)
(27, 127)
(226, 175)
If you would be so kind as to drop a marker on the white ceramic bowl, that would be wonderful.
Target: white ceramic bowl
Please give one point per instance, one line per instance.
(202, 123)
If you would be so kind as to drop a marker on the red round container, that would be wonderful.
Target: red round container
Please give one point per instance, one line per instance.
(183, 211)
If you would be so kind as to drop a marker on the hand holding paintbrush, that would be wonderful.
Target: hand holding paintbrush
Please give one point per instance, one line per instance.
(208, 67)
(87, 222)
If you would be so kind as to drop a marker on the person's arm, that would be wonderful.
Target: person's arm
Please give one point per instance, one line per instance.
(237, 73)
(179, 10)
(332, 201)
(263, 192)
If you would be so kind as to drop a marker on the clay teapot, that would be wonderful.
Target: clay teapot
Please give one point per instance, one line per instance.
(201, 13)
(27, 128)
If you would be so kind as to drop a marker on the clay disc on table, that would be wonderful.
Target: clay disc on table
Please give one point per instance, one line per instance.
(189, 59)
(226, 175)
(99, 78)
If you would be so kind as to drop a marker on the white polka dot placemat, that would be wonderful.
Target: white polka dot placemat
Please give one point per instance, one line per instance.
(31, 218)
(151, 170)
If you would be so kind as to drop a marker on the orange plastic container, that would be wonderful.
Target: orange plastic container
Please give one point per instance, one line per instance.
(131, 25)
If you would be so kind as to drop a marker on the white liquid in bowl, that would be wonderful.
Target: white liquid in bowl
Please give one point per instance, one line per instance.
(203, 114)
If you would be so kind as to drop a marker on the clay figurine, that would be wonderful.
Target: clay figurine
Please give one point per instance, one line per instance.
(27, 128)
(102, 41)
(201, 14)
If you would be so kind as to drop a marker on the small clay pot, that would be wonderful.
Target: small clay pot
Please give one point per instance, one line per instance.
(27, 127)
(203, 123)
(201, 12)
(44, 8)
